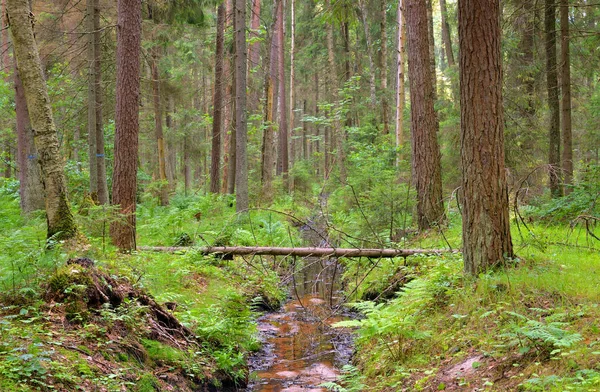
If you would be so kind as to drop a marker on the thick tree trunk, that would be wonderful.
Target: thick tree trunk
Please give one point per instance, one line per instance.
(424, 127)
(241, 140)
(565, 58)
(486, 232)
(158, 129)
(283, 153)
(215, 162)
(31, 187)
(431, 48)
(400, 92)
(553, 102)
(58, 212)
(446, 35)
(300, 252)
(129, 33)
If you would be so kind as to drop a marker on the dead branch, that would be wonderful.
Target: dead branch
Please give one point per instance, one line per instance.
(298, 252)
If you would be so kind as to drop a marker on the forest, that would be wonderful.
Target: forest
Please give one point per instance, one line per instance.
(285, 195)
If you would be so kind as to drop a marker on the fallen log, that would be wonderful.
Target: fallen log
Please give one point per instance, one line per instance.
(298, 252)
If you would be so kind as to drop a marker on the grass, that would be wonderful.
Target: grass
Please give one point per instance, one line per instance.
(212, 297)
(532, 326)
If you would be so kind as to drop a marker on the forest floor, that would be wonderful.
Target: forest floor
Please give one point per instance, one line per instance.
(531, 325)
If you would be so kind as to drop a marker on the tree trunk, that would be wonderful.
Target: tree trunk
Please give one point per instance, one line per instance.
(187, 170)
(431, 48)
(254, 50)
(299, 252)
(241, 166)
(129, 33)
(31, 187)
(268, 142)
(383, 69)
(292, 144)
(215, 162)
(365, 22)
(102, 186)
(565, 58)
(553, 102)
(486, 232)
(446, 35)
(283, 153)
(92, 105)
(400, 92)
(424, 127)
(333, 85)
(58, 212)
(158, 128)
(4, 58)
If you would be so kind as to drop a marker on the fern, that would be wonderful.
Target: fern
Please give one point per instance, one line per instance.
(546, 337)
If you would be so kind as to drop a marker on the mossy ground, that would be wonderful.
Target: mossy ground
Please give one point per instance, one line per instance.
(57, 343)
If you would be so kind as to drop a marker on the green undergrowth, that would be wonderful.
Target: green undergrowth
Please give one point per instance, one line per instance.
(530, 325)
(62, 345)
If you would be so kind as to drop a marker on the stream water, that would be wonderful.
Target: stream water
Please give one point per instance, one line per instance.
(300, 348)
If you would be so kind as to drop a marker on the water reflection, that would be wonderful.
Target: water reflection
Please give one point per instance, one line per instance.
(302, 351)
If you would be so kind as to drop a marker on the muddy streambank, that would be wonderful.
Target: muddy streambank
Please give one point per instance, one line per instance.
(300, 349)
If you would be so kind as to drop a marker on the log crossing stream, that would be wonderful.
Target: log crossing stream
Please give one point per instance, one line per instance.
(300, 348)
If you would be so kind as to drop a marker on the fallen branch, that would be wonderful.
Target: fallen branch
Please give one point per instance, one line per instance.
(298, 252)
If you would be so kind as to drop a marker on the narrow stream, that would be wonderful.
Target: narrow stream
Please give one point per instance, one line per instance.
(300, 348)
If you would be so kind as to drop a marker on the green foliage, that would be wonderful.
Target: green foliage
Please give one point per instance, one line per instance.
(547, 338)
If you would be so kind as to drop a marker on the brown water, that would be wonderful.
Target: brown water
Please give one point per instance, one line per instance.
(301, 350)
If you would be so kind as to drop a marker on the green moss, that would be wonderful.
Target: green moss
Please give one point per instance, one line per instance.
(64, 228)
(146, 383)
(159, 352)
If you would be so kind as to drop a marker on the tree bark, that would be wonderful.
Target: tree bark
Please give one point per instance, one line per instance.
(268, 142)
(254, 50)
(283, 153)
(129, 29)
(431, 48)
(400, 91)
(99, 191)
(215, 162)
(158, 128)
(424, 127)
(338, 131)
(241, 166)
(58, 212)
(383, 69)
(446, 34)
(565, 58)
(92, 105)
(293, 143)
(372, 83)
(300, 252)
(553, 102)
(486, 232)
(31, 188)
